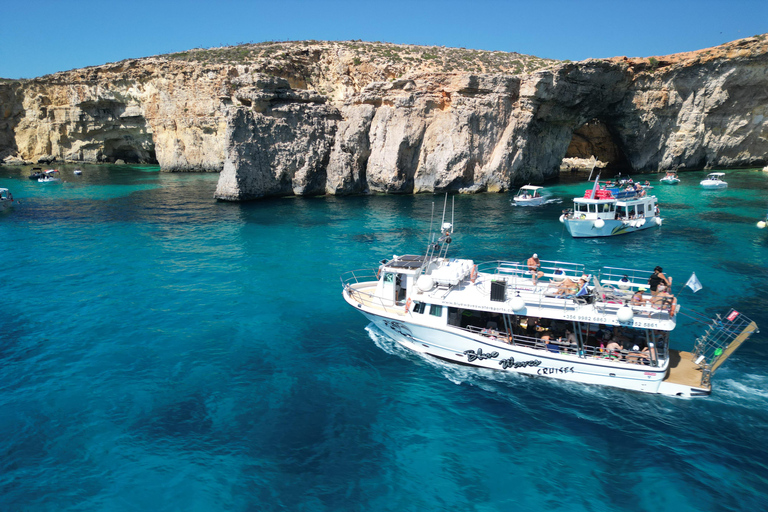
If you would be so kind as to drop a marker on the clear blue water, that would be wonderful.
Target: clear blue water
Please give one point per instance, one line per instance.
(163, 351)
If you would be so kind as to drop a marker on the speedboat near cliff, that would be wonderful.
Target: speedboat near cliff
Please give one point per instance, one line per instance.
(50, 176)
(529, 195)
(565, 322)
(610, 211)
(670, 178)
(36, 173)
(6, 199)
(714, 180)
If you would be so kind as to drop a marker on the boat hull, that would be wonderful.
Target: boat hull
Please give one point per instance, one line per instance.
(585, 228)
(482, 352)
(713, 186)
(670, 182)
(537, 201)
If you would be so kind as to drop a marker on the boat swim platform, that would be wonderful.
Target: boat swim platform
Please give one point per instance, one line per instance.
(683, 371)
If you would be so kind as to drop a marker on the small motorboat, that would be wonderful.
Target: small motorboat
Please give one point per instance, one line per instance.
(6, 199)
(529, 195)
(762, 223)
(50, 176)
(78, 172)
(714, 180)
(670, 179)
(36, 173)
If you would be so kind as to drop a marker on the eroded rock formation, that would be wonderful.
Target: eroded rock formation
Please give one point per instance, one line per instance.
(322, 119)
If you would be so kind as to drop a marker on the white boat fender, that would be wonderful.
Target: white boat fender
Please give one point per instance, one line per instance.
(425, 283)
(641, 223)
(562, 218)
(625, 314)
(518, 304)
(658, 221)
(599, 223)
(761, 224)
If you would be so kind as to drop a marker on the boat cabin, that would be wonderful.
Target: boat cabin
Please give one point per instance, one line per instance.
(528, 192)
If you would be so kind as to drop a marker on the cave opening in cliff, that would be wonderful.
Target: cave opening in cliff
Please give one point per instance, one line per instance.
(596, 139)
(129, 152)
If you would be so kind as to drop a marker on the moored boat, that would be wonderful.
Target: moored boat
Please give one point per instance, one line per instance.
(529, 195)
(6, 199)
(714, 180)
(36, 173)
(50, 176)
(607, 211)
(670, 178)
(565, 322)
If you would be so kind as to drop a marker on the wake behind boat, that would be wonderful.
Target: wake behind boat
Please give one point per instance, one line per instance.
(557, 320)
(610, 211)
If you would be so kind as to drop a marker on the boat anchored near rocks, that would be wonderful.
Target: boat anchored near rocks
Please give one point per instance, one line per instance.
(558, 320)
(714, 180)
(607, 211)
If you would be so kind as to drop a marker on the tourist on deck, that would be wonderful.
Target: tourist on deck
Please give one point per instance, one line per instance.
(665, 300)
(637, 298)
(534, 267)
(656, 279)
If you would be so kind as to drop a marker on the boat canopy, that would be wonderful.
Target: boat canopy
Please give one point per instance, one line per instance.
(530, 187)
(715, 175)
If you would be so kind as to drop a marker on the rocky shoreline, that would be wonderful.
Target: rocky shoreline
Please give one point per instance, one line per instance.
(314, 118)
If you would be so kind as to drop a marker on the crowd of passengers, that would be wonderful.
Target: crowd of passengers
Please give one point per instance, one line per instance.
(618, 343)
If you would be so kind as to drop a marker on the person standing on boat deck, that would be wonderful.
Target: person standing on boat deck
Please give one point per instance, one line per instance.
(656, 279)
(533, 266)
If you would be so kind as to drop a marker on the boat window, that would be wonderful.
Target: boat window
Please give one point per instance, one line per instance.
(641, 209)
(389, 278)
(581, 207)
(436, 310)
(418, 307)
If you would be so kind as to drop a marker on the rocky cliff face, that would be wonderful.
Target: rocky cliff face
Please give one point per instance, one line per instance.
(341, 118)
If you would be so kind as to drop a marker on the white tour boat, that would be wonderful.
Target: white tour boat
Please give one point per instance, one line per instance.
(611, 211)
(50, 176)
(670, 178)
(529, 195)
(6, 199)
(493, 315)
(714, 180)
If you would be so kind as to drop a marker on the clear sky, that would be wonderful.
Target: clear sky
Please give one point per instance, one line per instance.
(39, 37)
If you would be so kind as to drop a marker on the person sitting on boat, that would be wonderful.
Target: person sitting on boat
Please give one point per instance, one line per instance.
(637, 298)
(665, 300)
(656, 279)
(568, 287)
(534, 267)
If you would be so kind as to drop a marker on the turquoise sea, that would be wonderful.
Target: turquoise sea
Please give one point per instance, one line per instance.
(162, 351)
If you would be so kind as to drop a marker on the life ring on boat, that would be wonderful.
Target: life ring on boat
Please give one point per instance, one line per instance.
(582, 216)
(473, 274)
(407, 305)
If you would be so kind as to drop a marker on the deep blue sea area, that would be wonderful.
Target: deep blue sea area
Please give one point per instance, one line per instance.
(162, 351)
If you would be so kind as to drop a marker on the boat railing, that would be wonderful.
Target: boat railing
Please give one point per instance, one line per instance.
(353, 281)
(625, 278)
(555, 270)
(654, 357)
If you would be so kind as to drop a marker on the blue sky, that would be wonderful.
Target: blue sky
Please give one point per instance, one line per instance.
(39, 37)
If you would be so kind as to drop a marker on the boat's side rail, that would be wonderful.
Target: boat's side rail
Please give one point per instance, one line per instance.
(625, 278)
(357, 284)
(555, 270)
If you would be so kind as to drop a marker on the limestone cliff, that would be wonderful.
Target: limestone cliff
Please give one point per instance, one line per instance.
(350, 117)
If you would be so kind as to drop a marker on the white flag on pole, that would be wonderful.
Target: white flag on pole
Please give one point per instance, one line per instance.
(693, 283)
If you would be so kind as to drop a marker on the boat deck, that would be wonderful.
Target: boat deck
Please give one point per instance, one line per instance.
(683, 371)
